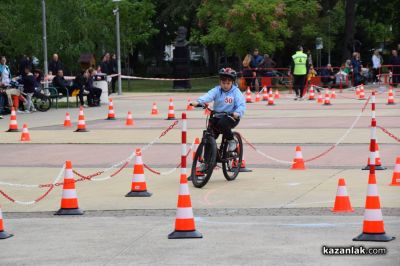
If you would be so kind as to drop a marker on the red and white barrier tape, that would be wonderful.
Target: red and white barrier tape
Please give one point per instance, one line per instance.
(321, 154)
(164, 79)
(57, 182)
(389, 134)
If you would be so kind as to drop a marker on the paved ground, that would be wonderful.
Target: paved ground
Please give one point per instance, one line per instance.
(272, 215)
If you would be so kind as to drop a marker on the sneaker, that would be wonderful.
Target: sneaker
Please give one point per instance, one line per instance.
(1, 117)
(232, 145)
(300, 98)
(27, 112)
(295, 98)
(33, 110)
(20, 112)
(85, 106)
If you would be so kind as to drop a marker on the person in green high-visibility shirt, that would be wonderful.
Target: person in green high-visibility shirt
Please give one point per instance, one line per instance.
(299, 71)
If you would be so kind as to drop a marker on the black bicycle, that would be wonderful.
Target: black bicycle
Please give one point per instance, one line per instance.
(208, 154)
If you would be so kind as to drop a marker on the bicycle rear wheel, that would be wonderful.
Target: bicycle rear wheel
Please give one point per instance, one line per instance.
(205, 157)
(232, 159)
(42, 103)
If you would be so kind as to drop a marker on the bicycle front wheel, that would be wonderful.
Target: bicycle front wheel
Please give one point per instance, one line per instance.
(232, 160)
(204, 162)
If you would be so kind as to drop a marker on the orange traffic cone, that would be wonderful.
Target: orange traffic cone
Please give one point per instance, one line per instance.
(333, 94)
(67, 121)
(298, 162)
(154, 110)
(13, 127)
(3, 234)
(311, 95)
(373, 226)
(195, 146)
(258, 96)
(265, 94)
(171, 112)
(25, 133)
(69, 200)
(342, 200)
(319, 98)
(248, 96)
(357, 91)
(184, 222)
(242, 167)
(81, 121)
(271, 98)
(277, 95)
(327, 98)
(111, 114)
(139, 186)
(396, 173)
(129, 119)
(378, 164)
(390, 97)
(361, 96)
(189, 107)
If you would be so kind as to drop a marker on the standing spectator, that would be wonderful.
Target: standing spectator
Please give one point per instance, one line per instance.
(299, 66)
(356, 66)
(267, 66)
(309, 58)
(5, 81)
(395, 62)
(376, 65)
(105, 65)
(55, 64)
(256, 62)
(113, 69)
(24, 63)
(247, 73)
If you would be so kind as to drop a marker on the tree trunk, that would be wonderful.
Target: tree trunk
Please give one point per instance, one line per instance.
(349, 29)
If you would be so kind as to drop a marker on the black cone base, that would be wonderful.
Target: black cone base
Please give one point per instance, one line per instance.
(4, 235)
(374, 237)
(185, 234)
(327, 104)
(171, 118)
(377, 167)
(244, 170)
(110, 118)
(390, 103)
(69, 212)
(138, 194)
(12, 130)
(81, 130)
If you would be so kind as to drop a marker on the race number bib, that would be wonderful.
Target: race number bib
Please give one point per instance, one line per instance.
(228, 100)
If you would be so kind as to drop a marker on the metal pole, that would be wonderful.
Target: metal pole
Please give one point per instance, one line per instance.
(46, 70)
(329, 36)
(118, 52)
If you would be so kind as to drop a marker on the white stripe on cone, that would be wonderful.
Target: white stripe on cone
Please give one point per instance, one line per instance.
(184, 189)
(341, 191)
(1, 214)
(372, 190)
(299, 155)
(138, 160)
(184, 213)
(373, 215)
(68, 174)
(138, 178)
(69, 194)
(397, 168)
(81, 122)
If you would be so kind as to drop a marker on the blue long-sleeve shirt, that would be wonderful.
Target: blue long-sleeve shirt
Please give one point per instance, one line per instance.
(225, 101)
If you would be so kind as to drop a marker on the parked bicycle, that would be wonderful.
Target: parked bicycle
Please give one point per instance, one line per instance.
(208, 154)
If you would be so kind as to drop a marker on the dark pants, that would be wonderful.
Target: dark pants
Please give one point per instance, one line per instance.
(3, 103)
(113, 81)
(224, 125)
(375, 73)
(94, 96)
(298, 84)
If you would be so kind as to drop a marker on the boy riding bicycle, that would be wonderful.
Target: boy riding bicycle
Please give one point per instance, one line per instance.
(227, 98)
